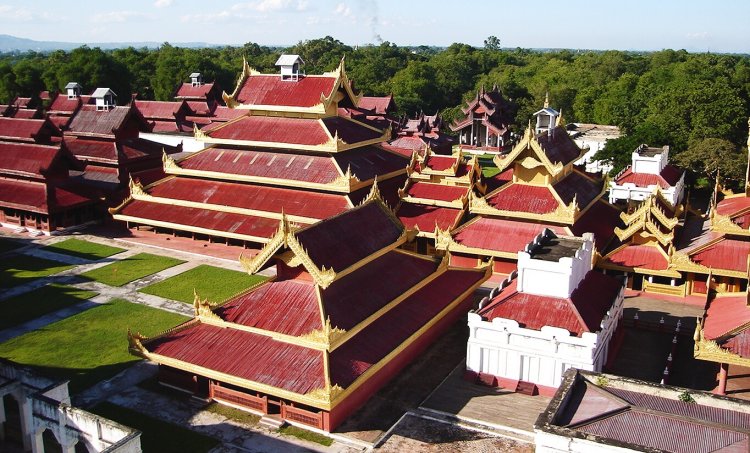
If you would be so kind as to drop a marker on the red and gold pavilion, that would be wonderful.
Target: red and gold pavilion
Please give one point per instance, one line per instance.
(315, 342)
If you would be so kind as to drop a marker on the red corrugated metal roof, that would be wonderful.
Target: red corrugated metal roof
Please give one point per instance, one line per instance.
(645, 256)
(88, 148)
(582, 312)
(158, 109)
(222, 113)
(669, 176)
(410, 143)
(368, 161)
(727, 254)
(578, 186)
(24, 195)
(202, 218)
(349, 131)
(558, 146)
(739, 344)
(246, 355)
(600, 219)
(440, 192)
(426, 217)
(271, 90)
(61, 122)
(64, 105)
(388, 190)
(187, 90)
(354, 297)
(21, 128)
(500, 235)
(378, 104)
(137, 148)
(27, 114)
(364, 230)
(164, 126)
(267, 164)
(732, 206)
(499, 179)
(103, 122)
(288, 306)
(199, 107)
(27, 158)
(261, 198)
(725, 314)
(379, 338)
(302, 131)
(524, 198)
(439, 163)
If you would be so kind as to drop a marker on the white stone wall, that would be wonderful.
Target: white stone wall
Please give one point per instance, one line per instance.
(554, 278)
(630, 191)
(650, 164)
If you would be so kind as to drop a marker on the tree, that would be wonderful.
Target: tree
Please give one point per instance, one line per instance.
(492, 43)
(712, 157)
(618, 151)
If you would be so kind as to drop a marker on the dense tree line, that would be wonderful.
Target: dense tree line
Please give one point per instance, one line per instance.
(692, 102)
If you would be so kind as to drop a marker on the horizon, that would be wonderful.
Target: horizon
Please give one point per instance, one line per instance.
(639, 26)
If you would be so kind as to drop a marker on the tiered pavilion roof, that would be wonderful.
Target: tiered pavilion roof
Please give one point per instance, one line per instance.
(323, 335)
(287, 151)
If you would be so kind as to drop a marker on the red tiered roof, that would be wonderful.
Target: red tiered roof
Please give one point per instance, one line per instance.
(105, 122)
(289, 307)
(644, 256)
(302, 131)
(377, 104)
(246, 225)
(164, 110)
(370, 161)
(426, 217)
(92, 149)
(439, 163)
(29, 130)
(29, 196)
(524, 198)
(739, 344)
(29, 159)
(261, 198)
(257, 358)
(500, 235)
(267, 164)
(436, 191)
(733, 205)
(582, 312)
(63, 105)
(726, 254)
(222, 113)
(601, 219)
(374, 342)
(188, 90)
(725, 315)
(272, 91)
(669, 177)
(579, 187)
(558, 146)
(364, 230)
(199, 107)
(352, 298)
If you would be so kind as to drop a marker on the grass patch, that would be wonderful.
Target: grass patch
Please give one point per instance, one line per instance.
(21, 269)
(90, 346)
(6, 245)
(125, 271)
(157, 435)
(27, 306)
(233, 413)
(212, 283)
(83, 249)
(304, 434)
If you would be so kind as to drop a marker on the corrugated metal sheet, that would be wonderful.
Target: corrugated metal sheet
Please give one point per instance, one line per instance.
(158, 109)
(600, 219)
(436, 191)
(267, 164)
(20, 127)
(349, 131)
(64, 105)
(558, 146)
(289, 307)
(378, 339)
(727, 254)
(645, 256)
(500, 235)
(577, 186)
(426, 217)
(246, 355)
(99, 149)
(27, 158)
(368, 161)
(351, 299)
(724, 315)
(377, 104)
(24, 195)
(740, 343)
(102, 122)
(262, 198)
(732, 206)
(524, 198)
(302, 131)
(271, 90)
(363, 230)
(187, 90)
(440, 163)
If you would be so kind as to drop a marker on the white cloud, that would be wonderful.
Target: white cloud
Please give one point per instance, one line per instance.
(8, 12)
(698, 35)
(118, 16)
(265, 6)
(342, 9)
(162, 3)
(258, 10)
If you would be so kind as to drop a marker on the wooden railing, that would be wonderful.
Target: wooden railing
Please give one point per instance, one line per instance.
(239, 398)
(314, 419)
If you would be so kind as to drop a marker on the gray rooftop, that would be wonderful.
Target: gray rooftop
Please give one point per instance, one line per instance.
(552, 248)
(72, 85)
(288, 60)
(101, 92)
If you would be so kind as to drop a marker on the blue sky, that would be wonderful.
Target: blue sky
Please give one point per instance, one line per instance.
(716, 26)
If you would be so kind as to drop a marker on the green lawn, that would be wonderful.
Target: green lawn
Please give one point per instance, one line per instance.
(125, 271)
(233, 413)
(19, 269)
(157, 435)
(7, 245)
(212, 283)
(27, 306)
(90, 346)
(304, 434)
(83, 249)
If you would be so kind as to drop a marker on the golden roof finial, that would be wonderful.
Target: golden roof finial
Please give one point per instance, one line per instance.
(374, 191)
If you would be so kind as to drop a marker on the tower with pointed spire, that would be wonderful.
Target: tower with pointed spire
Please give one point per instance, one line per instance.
(485, 126)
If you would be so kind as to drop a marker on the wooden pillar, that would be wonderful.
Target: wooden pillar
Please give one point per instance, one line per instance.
(723, 373)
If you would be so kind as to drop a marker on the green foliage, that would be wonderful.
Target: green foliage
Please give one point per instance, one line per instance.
(21, 269)
(304, 434)
(33, 304)
(157, 435)
(212, 283)
(715, 156)
(686, 397)
(618, 151)
(90, 346)
(83, 249)
(129, 269)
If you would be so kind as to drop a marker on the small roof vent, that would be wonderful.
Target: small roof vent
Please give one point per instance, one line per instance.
(291, 67)
(105, 98)
(196, 79)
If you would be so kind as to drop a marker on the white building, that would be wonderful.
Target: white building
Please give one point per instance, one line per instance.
(593, 137)
(36, 411)
(650, 168)
(553, 314)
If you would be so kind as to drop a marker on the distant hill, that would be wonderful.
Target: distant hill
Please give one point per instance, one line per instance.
(10, 43)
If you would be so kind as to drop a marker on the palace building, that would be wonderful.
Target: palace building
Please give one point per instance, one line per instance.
(316, 341)
(537, 187)
(650, 169)
(422, 133)
(485, 127)
(554, 313)
(287, 152)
